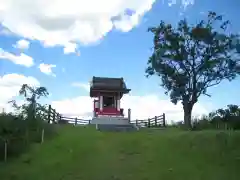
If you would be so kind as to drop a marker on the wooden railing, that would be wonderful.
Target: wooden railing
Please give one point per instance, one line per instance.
(75, 121)
(52, 116)
(49, 114)
(157, 121)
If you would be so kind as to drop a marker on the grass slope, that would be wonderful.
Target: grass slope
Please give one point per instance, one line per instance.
(83, 153)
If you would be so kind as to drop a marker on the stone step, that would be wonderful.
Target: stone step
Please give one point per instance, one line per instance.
(110, 120)
(116, 128)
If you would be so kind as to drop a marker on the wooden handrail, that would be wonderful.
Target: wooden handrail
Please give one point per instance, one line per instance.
(51, 116)
(153, 122)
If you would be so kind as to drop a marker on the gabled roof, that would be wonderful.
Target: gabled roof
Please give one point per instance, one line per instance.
(106, 83)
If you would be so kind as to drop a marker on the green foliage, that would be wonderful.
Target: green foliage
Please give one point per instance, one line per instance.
(228, 118)
(190, 59)
(12, 131)
(16, 131)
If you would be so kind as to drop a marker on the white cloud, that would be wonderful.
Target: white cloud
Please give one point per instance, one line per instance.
(70, 48)
(21, 59)
(22, 44)
(10, 85)
(184, 3)
(82, 85)
(47, 69)
(142, 107)
(67, 22)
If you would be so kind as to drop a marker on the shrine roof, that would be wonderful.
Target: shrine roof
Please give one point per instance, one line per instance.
(106, 83)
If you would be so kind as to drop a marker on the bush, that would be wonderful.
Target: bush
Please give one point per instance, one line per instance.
(19, 133)
(228, 118)
(12, 131)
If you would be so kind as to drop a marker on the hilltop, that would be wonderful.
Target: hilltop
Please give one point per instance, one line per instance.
(84, 153)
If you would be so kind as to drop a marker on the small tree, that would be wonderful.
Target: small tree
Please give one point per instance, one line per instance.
(190, 59)
(31, 94)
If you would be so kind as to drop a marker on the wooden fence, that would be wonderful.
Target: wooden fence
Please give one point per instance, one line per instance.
(157, 121)
(75, 121)
(51, 116)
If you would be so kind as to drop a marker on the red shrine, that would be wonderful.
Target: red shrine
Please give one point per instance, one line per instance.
(108, 93)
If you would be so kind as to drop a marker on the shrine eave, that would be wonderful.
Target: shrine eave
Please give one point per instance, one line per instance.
(94, 92)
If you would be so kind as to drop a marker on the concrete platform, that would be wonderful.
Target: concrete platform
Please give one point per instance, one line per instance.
(110, 120)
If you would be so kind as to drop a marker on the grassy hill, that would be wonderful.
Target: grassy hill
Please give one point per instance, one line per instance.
(84, 153)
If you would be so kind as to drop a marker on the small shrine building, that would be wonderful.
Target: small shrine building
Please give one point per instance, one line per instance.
(107, 93)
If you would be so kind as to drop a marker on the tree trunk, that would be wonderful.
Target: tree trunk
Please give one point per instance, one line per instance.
(187, 116)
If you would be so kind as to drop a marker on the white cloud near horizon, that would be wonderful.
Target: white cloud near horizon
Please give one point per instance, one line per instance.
(21, 59)
(47, 69)
(142, 107)
(10, 85)
(68, 23)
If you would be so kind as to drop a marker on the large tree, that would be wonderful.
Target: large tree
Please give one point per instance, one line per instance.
(191, 58)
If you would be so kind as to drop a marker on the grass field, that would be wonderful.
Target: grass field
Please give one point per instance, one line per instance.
(84, 153)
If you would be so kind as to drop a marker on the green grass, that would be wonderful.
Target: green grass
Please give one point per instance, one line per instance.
(84, 153)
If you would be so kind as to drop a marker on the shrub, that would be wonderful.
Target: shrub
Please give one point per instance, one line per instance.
(20, 133)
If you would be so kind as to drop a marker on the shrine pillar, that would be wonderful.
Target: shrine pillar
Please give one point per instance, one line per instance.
(101, 103)
(118, 103)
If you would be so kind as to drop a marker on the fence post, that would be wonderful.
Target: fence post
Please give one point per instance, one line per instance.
(129, 115)
(149, 123)
(42, 137)
(5, 150)
(136, 122)
(89, 122)
(155, 118)
(164, 120)
(54, 115)
(49, 114)
(75, 121)
(59, 117)
(56, 119)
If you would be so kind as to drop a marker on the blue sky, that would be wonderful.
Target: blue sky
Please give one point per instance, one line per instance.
(117, 54)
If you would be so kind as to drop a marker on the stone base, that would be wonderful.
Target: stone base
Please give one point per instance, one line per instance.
(110, 120)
